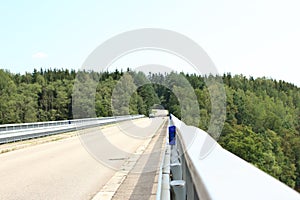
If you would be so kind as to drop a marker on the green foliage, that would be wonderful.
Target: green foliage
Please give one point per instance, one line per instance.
(262, 122)
(262, 125)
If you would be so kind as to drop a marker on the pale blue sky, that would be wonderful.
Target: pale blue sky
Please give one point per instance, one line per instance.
(258, 38)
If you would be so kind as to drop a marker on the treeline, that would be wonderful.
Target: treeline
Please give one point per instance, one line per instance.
(262, 125)
(262, 115)
(43, 95)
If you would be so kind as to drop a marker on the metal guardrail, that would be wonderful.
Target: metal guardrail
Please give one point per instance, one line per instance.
(16, 132)
(219, 175)
(163, 185)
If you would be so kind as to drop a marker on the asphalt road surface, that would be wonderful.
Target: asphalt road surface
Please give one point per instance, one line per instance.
(73, 168)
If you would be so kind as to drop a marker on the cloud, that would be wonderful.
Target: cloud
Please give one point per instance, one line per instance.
(39, 55)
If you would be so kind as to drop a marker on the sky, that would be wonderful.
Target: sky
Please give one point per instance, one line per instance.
(254, 38)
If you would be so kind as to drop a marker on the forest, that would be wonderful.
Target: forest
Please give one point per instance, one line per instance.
(262, 115)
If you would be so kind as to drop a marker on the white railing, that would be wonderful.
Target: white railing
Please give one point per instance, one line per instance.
(213, 173)
(16, 132)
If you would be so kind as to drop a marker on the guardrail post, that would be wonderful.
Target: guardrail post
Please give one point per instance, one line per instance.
(176, 170)
(174, 154)
(175, 164)
(178, 189)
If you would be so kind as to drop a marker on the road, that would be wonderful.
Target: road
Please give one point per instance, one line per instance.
(73, 168)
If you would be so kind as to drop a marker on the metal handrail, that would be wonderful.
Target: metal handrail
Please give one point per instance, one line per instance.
(16, 132)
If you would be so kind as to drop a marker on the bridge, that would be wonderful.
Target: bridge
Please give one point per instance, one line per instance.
(126, 157)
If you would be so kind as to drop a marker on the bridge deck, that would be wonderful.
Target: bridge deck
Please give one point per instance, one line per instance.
(141, 182)
(54, 168)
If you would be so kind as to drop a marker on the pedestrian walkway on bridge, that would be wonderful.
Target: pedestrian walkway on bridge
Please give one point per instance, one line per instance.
(141, 179)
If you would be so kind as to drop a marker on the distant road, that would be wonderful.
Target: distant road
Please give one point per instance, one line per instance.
(64, 169)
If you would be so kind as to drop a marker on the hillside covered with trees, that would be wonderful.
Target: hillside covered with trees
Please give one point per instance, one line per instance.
(262, 115)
